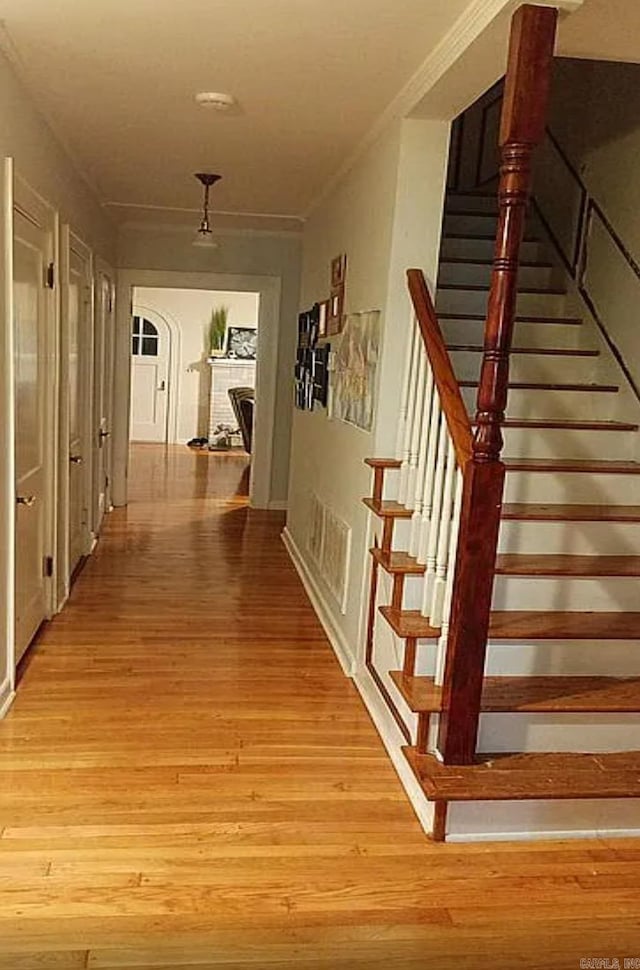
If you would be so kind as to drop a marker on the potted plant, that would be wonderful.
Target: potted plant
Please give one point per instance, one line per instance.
(217, 331)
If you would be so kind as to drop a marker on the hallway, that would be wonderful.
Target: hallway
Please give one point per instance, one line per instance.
(188, 780)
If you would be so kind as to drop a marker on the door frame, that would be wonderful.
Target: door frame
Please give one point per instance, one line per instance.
(175, 356)
(268, 288)
(70, 240)
(102, 268)
(15, 189)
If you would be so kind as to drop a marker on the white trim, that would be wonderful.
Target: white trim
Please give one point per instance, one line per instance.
(185, 230)
(7, 695)
(7, 432)
(239, 214)
(175, 357)
(268, 288)
(467, 28)
(340, 646)
(393, 741)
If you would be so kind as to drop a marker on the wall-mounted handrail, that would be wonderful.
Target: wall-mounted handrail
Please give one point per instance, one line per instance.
(453, 406)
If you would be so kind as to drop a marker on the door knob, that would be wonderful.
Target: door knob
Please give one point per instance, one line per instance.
(162, 386)
(28, 500)
(104, 434)
(76, 459)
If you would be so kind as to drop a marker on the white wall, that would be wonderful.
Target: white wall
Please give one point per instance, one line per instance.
(385, 215)
(190, 310)
(42, 161)
(239, 253)
(595, 114)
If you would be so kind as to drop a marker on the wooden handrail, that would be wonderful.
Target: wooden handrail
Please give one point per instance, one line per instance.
(453, 406)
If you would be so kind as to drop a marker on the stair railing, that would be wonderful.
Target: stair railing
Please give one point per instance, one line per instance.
(434, 446)
(453, 480)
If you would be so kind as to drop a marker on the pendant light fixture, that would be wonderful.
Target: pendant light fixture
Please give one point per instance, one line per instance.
(206, 179)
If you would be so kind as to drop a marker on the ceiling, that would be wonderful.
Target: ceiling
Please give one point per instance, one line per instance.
(117, 79)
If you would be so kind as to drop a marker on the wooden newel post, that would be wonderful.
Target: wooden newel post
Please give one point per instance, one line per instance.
(522, 128)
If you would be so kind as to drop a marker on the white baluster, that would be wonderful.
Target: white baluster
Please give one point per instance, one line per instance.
(421, 471)
(442, 552)
(434, 524)
(417, 430)
(448, 593)
(404, 400)
(408, 424)
(421, 539)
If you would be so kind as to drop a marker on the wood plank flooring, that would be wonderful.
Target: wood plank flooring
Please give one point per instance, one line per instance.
(188, 780)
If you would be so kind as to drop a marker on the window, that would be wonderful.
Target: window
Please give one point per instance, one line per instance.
(144, 338)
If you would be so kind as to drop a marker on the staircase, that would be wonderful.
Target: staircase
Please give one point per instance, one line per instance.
(559, 740)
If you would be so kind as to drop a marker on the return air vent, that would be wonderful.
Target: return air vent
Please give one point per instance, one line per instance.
(329, 545)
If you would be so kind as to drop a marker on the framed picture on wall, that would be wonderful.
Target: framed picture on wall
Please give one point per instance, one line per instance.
(242, 343)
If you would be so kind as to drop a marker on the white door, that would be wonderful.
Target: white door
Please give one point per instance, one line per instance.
(102, 380)
(150, 352)
(31, 249)
(78, 331)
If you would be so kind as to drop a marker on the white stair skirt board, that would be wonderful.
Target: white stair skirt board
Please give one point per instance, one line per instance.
(393, 741)
(590, 733)
(572, 487)
(570, 538)
(548, 334)
(530, 820)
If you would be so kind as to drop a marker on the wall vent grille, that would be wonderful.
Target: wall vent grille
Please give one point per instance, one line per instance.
(329, 545)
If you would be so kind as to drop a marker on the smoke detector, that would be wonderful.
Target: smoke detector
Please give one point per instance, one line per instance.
(216, 100)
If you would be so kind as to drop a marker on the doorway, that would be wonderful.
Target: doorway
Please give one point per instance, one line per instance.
(151, 354)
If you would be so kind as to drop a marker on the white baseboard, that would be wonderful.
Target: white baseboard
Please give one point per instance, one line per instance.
(7, 694)
(393, 741)
(278, 505)
(336, 639)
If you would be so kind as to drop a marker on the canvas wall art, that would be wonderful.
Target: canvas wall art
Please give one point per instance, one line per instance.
(355, 370)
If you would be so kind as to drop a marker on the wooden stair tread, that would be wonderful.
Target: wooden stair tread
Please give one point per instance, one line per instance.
(474, 261)
(528, 625)
(592, 466)
(518, 564)
(397, 562)
(409, 624)
(383, 462)
(485, 287)
(542, 386)
(529, 318)
(570, 513)
(567, 424)
(388, 510)
(534, 351)
(485, 238)
(532, 695)
(499, 777)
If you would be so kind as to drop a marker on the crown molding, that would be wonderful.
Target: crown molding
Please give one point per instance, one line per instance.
(220, 231)
(466, 29)
(239, 214)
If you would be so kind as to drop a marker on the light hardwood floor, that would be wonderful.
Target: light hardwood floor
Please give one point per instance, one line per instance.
(188, 780)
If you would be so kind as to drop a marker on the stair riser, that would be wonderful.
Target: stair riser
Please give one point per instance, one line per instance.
(540, 277)
(571, 538)
(557, 658)
(590, 732)
(572, 487)
(530, 368)
(545, 335)
(588, 593)
(484, 249)
(550, 403)
(524, 820)
(568, 443)
(471, 301)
